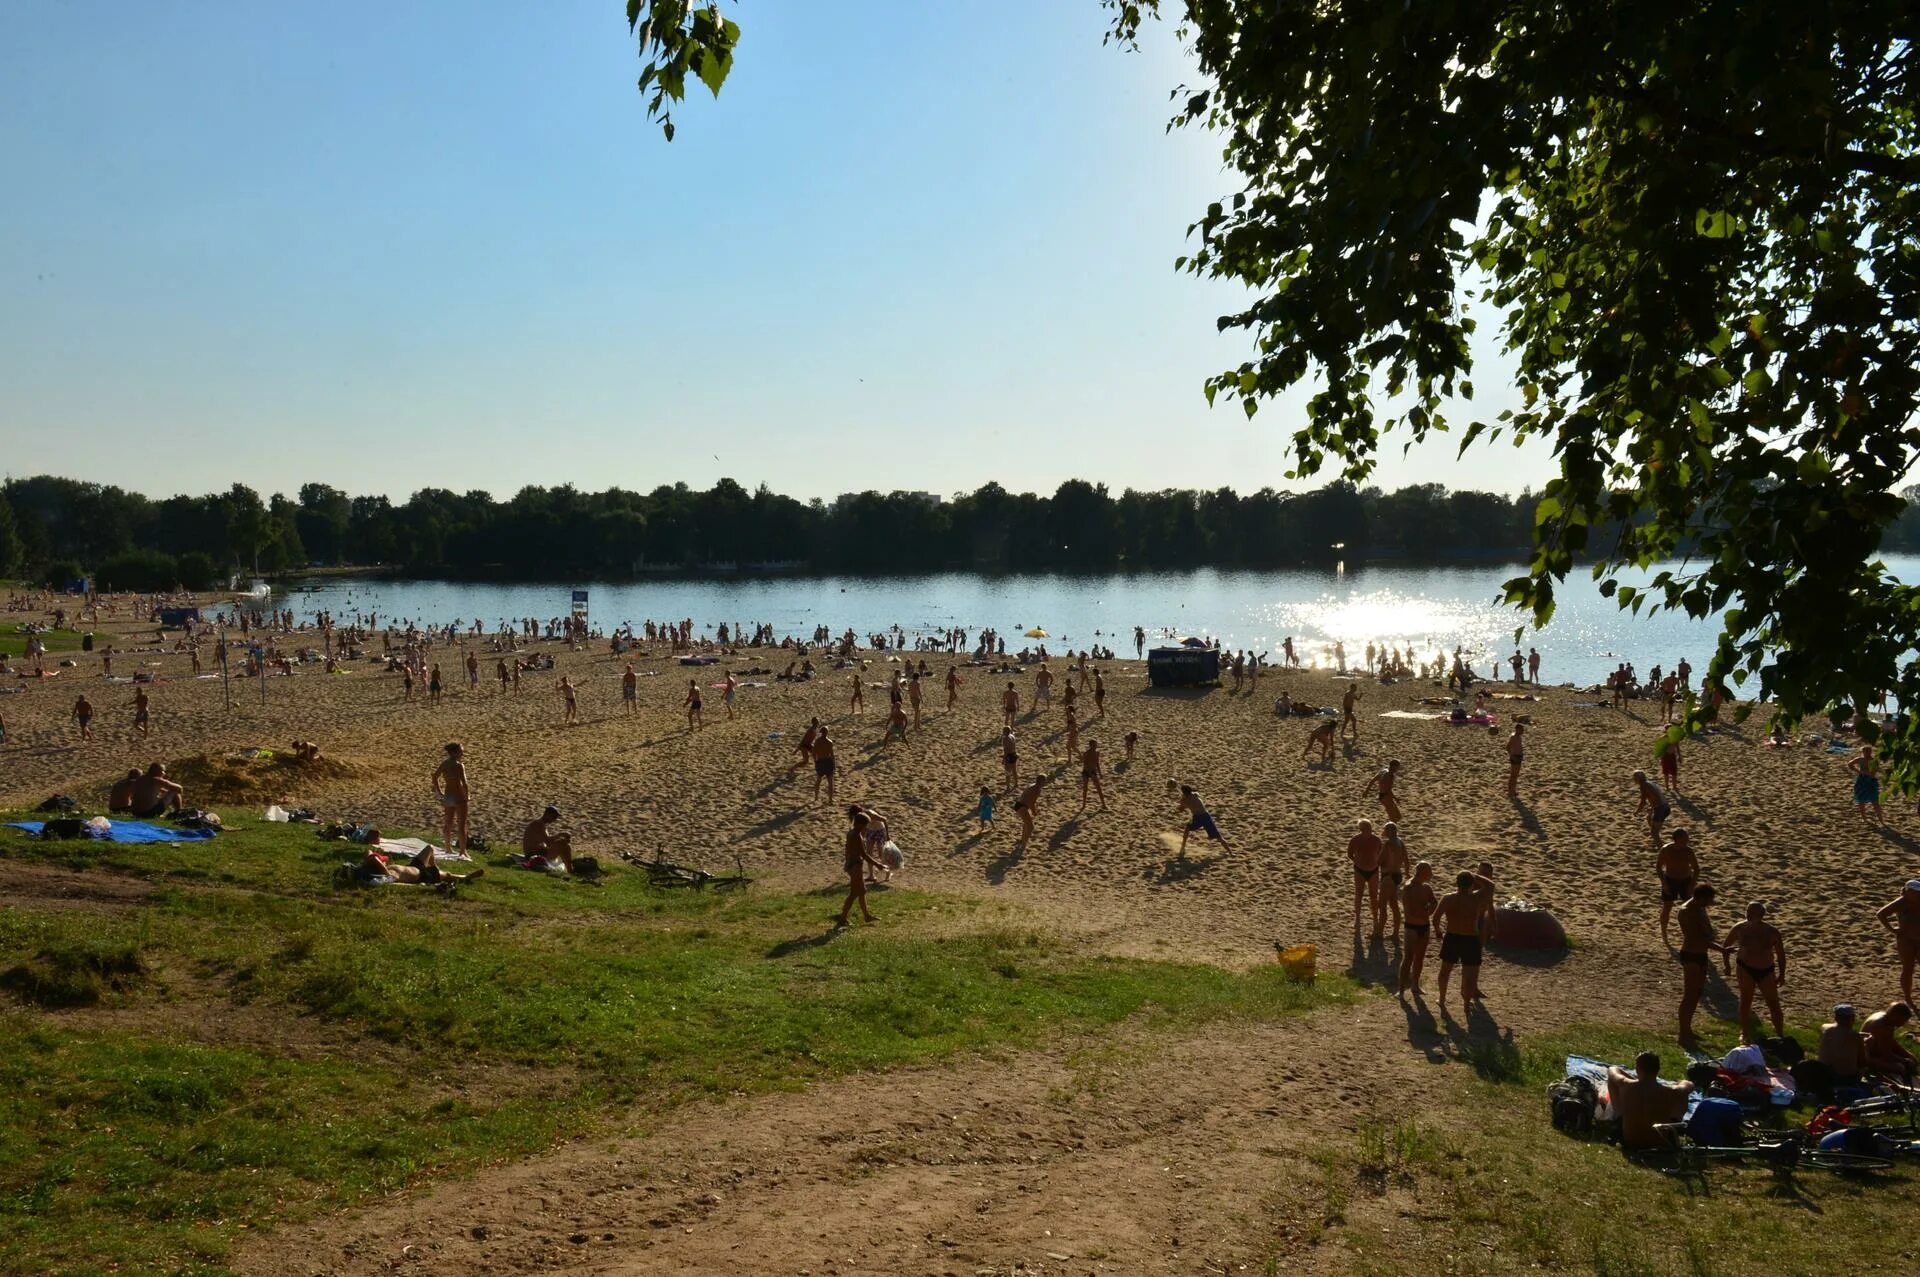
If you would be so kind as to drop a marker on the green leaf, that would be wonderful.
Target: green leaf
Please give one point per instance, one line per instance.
(713, 69)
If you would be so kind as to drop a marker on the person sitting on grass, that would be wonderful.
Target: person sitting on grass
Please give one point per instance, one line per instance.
(153, 793)
(120, 797)
(540, 839)
(1641, 1101)
(1884, 1054)
(305, 751)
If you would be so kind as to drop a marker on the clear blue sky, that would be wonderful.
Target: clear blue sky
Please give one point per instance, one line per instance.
(388, 246)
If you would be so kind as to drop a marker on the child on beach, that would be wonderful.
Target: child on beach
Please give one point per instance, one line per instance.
(986, 809)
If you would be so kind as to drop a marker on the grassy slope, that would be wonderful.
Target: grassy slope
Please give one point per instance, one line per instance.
(456, 1031)
(13, 640)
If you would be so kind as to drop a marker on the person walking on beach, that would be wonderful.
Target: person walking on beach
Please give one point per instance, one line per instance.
(692, 703)
(1363, 849)
(1670, 767)
(1516, 755)
(1347, 718)
(1139, 642)
(140, 714)
(953, 685)
(1027, 807)
(500, 672)
(913, 697)
(1199, 818)
(985, 809)
(1090, 774)
(433, 685)
(823, 765)
(1654, 803)
(1382, 783)
(473, 672)
(1679, 869)
(83, 715)
(1866, 781)
(1072, 731)
(1099, 694)
(1756, 948)
(805, 747)
(730, 688)
(1010, 704)
(1418, 901)
(1042, 687)
(1902, 917)
(1696, 941)
(856, 860)
(630, 689)
(1009, 756)
(450, 789)
(857, 704)
(1459, 913)
(572, 698)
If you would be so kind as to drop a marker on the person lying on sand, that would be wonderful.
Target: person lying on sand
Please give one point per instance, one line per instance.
(424, 870)
(542, 839)
(153, 793)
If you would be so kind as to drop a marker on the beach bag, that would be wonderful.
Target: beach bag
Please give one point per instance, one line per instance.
(1787, 1051)
(1300, 961)
(586, 867)
(66, 827)
(59, 802)
(1571, 1106)
(1715, 1123)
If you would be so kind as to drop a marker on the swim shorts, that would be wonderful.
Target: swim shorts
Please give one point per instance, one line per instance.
(1462, 949)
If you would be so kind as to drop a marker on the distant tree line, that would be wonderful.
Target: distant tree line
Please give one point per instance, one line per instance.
(55, 530)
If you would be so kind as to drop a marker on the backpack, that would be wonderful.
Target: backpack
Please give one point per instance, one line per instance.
(1571, 1105)
(66, 827)
(59, 802)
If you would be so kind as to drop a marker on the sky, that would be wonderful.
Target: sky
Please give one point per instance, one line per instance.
(387, 247)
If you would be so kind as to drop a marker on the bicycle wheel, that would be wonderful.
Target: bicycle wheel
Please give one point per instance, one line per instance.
(1844, 1163)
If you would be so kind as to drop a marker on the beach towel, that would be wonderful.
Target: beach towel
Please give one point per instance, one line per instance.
(1407, 713)
(131, 831)
(408, 848)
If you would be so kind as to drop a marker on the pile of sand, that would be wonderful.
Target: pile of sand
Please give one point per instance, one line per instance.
(246, 778)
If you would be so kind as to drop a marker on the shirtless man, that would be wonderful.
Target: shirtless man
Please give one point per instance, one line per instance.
(857, 703)
(1363, 849)
(500, 672)
(1321, 736)
(141, 717)
(1654, 803)
(1843, 1048)
(425, 869)
(1755, 947)
(1382, 783)
(692, 702)
(1132, 740)
(1090, 774)
(1884, 1054)
(823, 765)
(913, 698)
(1199, 818)
(1009, 704)
(83, 715)
(1458, 914)
(1027, 806)
(630, 689)
(1696, 941)
(1009, 756)
(1533, 665)
(1679, 869)
(1642, 1101)
(1042, 687)
(120, 797)
(473, 672)
(856, 860)
(153, 793)
(1902, 917)
(1393, 870)
(572, 698)
(1419, 901)
(953, 685)
(540, 839)
(1072, 731)
(450, 788)
(1516, 754)
(1347, 701)
(805, 747)
(1099, 694)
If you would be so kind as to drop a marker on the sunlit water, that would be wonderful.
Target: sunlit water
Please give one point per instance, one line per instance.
(1430, 607)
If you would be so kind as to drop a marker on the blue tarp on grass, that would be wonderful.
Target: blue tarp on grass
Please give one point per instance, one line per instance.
(132, 831)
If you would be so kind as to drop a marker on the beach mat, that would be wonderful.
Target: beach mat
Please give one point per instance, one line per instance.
(135, 831)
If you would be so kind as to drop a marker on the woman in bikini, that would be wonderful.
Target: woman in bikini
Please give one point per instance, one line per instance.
(1417, 903)
(855, 859)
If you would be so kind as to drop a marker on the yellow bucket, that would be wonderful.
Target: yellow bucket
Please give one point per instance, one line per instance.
(1298, 961)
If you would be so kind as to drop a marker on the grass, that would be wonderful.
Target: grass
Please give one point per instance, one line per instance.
(262, 1045)
(13, 640)
(1507, 1192)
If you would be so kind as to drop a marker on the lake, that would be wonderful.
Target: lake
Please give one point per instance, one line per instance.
(1429, 606)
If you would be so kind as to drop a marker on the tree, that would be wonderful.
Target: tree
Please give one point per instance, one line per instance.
(12, 550)
(1697, 224)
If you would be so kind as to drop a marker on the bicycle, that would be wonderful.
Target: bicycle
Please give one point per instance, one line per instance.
(1782, 1156)
(661, 873)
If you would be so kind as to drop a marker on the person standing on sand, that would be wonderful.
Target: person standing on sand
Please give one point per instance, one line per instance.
(1199, 817)
(1419, 902)
(692, 702)
(83, 715)
(857, 704)
(1382, 782)
(856, 859)
(1348, 700)
(433, 685)
(985, 809)
(805, 748)
(1902, 917)
(1042, 687)
(1679, 869)
(473, 672)
(630, 690)
(1321, 736)
(823, 765)
(450, 789)
(1458, 913)
(1696, 941)
(913, 697)
(953, 686)
(1756, 948)
(1072, 731)
(572, 698)
(1139, 642)
(730, 687)
(1090, 774)
(1009, 704)
(1393, 870)
(1099, 694)
(1866, 781)
(1670, 767)
(1363, 849)
(1516, 754)
(140, 715)
(1533, 666)
(1027, 807)
(1009, 756)
(500, 672)
(1654, 803)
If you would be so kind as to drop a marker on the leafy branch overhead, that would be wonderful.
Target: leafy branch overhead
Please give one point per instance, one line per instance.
(678, 39)
(1694, 225)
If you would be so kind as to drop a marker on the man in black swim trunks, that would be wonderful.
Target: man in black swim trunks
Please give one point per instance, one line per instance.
(1393, 870)
(823, 765)
(1678, 869)
(1010, 756)
(1419, 902)
(1696, 941)
(1364, 850)
(1654, 803)
(1027, 806)
(1755, 947)
(1458, 914)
